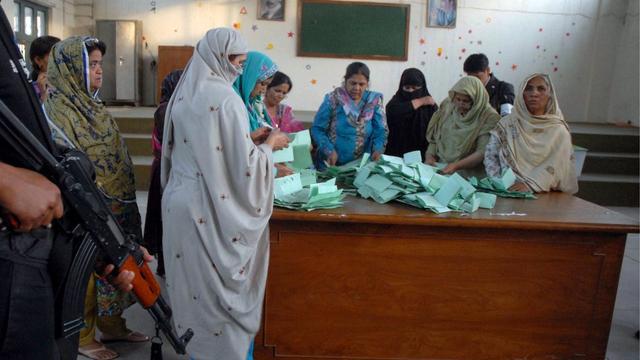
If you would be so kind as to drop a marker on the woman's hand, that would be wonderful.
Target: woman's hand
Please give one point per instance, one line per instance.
(375, 156)
(42, 85)
(259, 135)
(283, 170)
(423, 101)
(333, 158)
(277, 140)
(427, 100)
(430, 160)
(450, 168)
(520, 187)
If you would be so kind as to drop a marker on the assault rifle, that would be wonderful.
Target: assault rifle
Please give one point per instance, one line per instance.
(88, 218)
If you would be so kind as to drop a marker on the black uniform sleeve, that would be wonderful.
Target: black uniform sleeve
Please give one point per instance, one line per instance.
(508, 94)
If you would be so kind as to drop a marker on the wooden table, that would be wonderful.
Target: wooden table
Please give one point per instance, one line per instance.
(529, 279)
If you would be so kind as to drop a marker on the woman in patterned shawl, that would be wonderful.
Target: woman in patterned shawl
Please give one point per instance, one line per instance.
(459, 130)
(350, 121)
(80, 120)
(534, 141)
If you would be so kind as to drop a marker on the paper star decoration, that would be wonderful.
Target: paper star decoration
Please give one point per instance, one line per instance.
(243, 11)
(422, 41)
(236, 26)
(439, 51)
(314, 81)
(269, 46)
(254, 27)
(290, 34)
(514, 67)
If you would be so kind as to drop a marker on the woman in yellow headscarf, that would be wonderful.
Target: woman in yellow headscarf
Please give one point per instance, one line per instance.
(80, 120)
(459, 130)
(534, 141)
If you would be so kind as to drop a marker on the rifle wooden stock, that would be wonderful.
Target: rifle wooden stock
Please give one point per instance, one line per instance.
(145, 285)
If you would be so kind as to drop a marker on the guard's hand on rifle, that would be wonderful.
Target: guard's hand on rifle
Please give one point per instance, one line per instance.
(125, 278)
(29, 198)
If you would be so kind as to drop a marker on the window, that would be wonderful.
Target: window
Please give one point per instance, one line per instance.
(30, 21)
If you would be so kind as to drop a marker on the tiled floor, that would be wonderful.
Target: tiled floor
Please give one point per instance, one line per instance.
(622, 342)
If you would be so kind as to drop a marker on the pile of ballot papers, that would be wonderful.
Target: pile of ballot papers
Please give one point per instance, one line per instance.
(404, 179)
(301, 191)
(500, 185)
(410, 181)
(290, 193)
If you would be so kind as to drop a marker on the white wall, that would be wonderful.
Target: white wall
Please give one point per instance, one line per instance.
(586, 45)
(623, 101)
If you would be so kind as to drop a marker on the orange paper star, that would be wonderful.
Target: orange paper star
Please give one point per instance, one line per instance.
(314, 81)
(236, 26)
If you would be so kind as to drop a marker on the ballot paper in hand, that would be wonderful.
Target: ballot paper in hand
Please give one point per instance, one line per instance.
(283, 155)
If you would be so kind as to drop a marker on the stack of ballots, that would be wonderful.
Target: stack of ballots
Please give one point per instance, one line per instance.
(500, 185)
(301, 191)
(409, 181)
(290, 193)
(345, 173)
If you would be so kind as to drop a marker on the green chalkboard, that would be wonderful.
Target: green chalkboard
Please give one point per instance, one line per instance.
(358, 30)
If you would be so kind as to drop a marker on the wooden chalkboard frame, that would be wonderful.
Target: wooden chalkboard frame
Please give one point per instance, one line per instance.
(343, 56)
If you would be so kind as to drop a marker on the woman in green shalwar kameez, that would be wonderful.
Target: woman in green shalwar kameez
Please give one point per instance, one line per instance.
(79, 119)
(459, 130)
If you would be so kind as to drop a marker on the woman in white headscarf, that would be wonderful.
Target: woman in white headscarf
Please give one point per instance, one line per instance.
(534, 141)
(216, 204)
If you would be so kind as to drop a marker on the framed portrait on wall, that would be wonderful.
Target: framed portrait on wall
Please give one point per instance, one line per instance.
(442, 13)
(271, 10)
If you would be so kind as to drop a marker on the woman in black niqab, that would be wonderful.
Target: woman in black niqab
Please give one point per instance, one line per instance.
(408, 114)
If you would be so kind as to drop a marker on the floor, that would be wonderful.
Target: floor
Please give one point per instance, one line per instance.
(622, 342)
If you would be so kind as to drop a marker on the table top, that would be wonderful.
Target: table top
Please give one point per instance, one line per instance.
(552, 211)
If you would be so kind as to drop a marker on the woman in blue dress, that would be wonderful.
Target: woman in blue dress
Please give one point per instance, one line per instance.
(350, 121)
